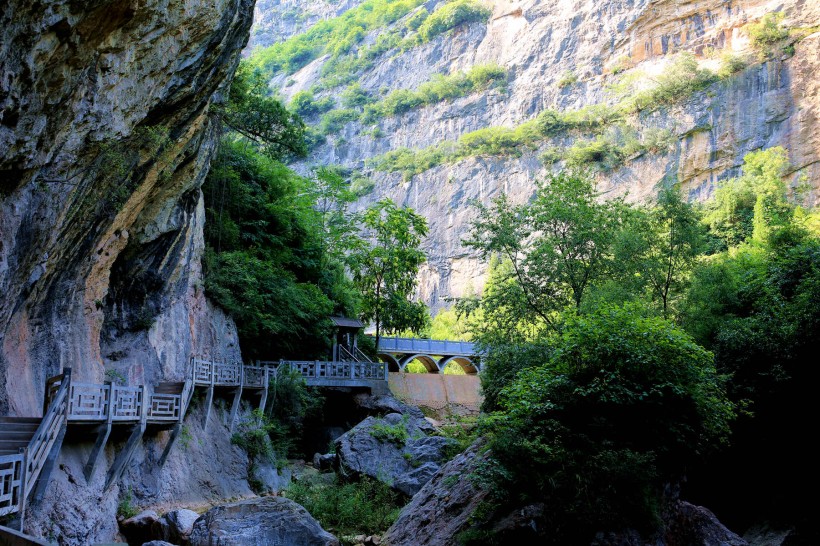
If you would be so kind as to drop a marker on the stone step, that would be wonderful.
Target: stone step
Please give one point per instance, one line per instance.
(12, 445)
(7, 419)
(169, 388)
(16, 436)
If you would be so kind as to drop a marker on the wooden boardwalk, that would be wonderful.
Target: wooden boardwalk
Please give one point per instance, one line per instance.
(29, 446)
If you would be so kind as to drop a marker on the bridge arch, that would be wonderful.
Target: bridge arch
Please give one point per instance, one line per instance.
(393, 364)
(429, 362)
(464, 362)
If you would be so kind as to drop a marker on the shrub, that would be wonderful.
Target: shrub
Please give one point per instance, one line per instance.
(415, 20)
(452, 14)
(730, 65)
(304, 104)
(625, 402)
(567, 79)
(126, 508)
(768, 32)
(335, 120)
(336, 36)
(365, 507)
(252, 436)
(678, 82)
(354, 96)
(396, 434)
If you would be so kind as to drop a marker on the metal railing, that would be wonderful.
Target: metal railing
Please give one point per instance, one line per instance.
(317, 369)
(426, 346)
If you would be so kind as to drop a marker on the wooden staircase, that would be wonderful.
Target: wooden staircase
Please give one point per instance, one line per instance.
(29, 446)
(16, 433)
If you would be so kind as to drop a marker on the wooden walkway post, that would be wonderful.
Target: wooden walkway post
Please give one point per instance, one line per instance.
(103, 432)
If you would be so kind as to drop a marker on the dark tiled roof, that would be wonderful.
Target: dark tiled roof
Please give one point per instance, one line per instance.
(347, 322)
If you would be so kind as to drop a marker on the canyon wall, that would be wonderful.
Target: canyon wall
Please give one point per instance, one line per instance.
(106, 136)
(539, 42)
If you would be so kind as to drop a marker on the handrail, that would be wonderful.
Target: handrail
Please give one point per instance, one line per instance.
(54, 420)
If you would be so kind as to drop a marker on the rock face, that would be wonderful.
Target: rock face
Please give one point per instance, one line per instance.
(260, 522)
(395, 450)
(441, 509)
(690, 524)
(444, 508)
(539, 42)
(105, 139)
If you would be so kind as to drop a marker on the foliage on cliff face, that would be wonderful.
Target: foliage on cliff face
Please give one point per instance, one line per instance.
(267, 262)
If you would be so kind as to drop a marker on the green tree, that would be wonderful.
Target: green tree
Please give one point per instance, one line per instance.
(753, 204)
(385, 264)
(663, 245)
(621, 405)
(557, 245)
(253, 113)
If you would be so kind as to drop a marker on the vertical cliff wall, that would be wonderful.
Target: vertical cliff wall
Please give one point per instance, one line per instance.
(105, 138)
(566, 56)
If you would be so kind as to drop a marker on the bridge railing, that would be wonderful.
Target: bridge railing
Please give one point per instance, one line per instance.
(427, 346)
(317, 369)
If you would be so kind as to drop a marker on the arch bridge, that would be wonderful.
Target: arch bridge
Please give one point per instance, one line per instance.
(434, 354)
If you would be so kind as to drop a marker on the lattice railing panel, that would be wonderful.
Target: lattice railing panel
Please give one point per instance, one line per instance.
(227, 374)
(202, 371)
(254, 376)
(369, 370)
(165, 407)
(127, 404)
(11, 483)
(306, 368)
(88, 402)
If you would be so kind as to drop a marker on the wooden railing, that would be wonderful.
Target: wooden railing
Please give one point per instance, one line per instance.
(12, 476)
(52, 425)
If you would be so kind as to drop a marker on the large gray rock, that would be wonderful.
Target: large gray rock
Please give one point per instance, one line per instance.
(141, 528)
(442, 508)
(385, 404)
(690, 524)
(270, 478)
(180, 524)
(260, 522)
(404, 457)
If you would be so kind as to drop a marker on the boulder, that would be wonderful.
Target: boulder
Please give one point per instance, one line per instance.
(385, 404)
(180, 524)
(260, 522)
(690, 524)
(442, 508)
(324, 462)
(158, 543)
(269, 478)
(141, 528)
(395, 450)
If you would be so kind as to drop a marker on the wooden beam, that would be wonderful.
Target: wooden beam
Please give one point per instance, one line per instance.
(167, 451)
(124, 456)
(209, 398)
(103, 431)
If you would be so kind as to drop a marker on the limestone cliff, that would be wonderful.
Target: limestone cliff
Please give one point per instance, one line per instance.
(105, 139)
(565, 56)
